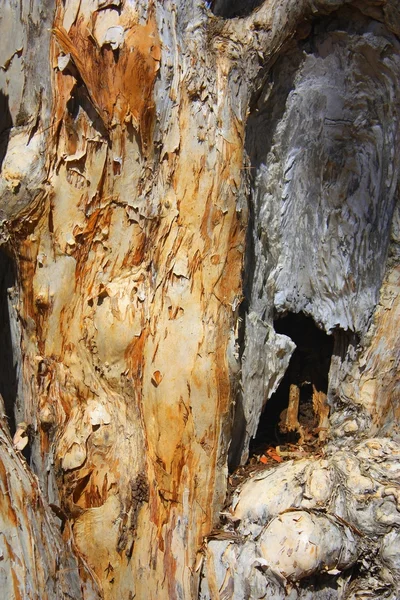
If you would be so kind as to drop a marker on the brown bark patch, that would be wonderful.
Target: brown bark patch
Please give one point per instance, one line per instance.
(119, 82)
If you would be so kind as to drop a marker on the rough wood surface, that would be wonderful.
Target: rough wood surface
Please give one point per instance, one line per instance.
(129, 146)
(320, 528)
(325, 186)
(37, 562)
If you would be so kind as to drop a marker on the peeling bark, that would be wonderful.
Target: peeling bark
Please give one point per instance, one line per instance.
(36, 560)
(312, 517)
(133, 148)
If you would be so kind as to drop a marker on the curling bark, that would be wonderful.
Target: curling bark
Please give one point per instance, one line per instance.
(130, 148)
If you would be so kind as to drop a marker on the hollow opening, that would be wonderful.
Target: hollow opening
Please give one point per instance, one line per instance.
(229, 9)
(297, 412)
(8, 362)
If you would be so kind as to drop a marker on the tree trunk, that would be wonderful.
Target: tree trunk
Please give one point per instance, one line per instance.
(198, 209)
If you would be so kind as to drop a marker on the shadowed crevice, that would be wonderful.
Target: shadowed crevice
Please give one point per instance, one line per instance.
(8, 363)
(6, 124)
(229, 9)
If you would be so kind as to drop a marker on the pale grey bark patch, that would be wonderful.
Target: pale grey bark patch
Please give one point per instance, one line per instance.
(325, 188)
(266, 358)
(321, 141)
(315, 528)
(25, 30)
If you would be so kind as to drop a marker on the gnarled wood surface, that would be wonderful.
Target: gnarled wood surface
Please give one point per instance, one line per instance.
(37, 562)
(130, 143)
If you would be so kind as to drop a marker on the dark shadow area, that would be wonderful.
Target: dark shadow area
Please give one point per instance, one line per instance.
(323, 582)
(8, 366)
(343, 341)
(269, 104)
(308, 370)
(238, 434)
(229, 9)
(267, 109)
(5, 126)
(80, 100)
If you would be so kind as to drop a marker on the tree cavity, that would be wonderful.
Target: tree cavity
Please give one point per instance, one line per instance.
(298, 411)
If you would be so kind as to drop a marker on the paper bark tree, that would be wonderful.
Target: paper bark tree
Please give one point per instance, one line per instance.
(189, 192)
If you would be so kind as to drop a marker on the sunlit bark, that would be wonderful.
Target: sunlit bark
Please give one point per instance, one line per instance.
(135, 142)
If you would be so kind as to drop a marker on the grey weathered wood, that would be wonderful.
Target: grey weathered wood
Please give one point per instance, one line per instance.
(140, 140)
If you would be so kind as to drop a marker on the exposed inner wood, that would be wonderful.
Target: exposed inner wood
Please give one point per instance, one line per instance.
(135, 137)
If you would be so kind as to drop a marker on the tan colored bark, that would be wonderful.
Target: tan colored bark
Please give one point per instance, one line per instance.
(373, 382)
(321, 410)
(292, 423)
(37, 562)
(130, 271)
(130, 259)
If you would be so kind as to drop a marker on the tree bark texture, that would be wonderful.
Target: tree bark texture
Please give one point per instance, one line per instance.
(37, 561)
(174, 183)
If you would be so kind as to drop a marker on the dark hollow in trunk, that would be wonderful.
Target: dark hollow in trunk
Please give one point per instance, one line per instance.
(308, 370)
